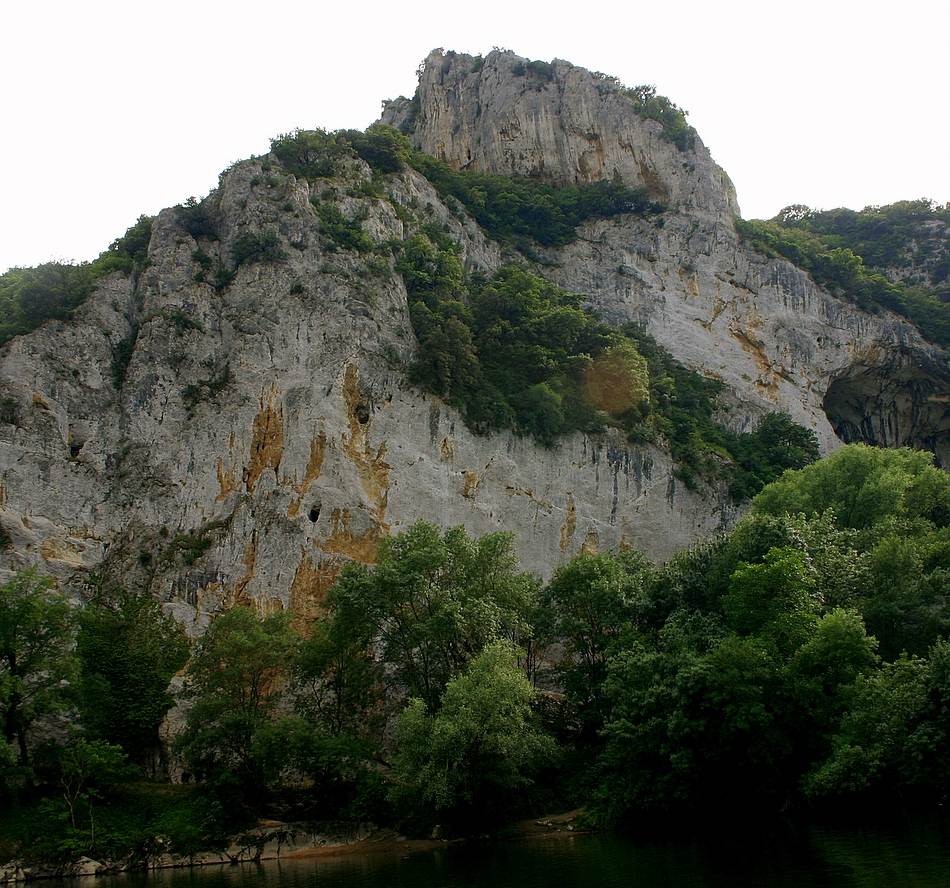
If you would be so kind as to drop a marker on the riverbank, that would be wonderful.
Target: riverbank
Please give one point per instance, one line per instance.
(275, 840)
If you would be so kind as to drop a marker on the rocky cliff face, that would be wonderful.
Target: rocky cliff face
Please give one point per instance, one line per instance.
(263, 432)
(558, 122)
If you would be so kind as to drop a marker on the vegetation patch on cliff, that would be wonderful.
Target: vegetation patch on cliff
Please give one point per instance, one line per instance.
(669, 115)
(907, 238)
(53, 290)
(515, 210)
(836, 248)
(515, 351)
(521, 211)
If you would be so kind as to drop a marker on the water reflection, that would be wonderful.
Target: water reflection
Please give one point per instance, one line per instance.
(914, 857)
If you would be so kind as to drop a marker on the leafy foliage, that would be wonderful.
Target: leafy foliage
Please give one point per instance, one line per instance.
(894, 736)
(128, 651)
(519, 211)
(316, 154)
(198, 218)
(235, 679)
(800, 662)
(37, 664)
(343, 233)
(590, 600)
(864, 486)
(256, 246)
(537, 70)
(747, 672)
(484, 742)
(313, 154)
(433, 602)
(129, 821)
(907, 237)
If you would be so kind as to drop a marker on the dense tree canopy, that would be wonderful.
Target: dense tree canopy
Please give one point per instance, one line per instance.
(480, 746)
(128, 651)
(433, 601)
(37, 664)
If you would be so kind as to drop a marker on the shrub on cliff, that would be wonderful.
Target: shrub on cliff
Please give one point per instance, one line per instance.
(670, 116)
(522, 211)
(257, 246)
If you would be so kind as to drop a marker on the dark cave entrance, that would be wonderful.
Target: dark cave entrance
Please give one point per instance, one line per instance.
(904, 406)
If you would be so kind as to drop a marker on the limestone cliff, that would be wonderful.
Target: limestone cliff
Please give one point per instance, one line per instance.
(263, 431)
(762, 326)
(558, 122)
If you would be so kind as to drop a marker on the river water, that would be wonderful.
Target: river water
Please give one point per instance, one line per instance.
(909, 857)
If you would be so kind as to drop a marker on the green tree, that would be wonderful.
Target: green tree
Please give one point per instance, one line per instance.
(893, 739)
(482, 745)
(235, 679)
(776, 444)
(433, 601)
(819, 676)
(37, 663)
(864, 486)
(591, 599)
(777, 598)
(86, 768)
(129, 650)
(338, 681)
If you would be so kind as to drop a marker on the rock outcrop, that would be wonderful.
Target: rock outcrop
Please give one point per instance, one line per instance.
(504, 114)
(761, 326)
(263, 432)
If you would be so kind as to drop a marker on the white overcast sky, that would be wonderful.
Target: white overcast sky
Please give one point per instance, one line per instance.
(113, 109)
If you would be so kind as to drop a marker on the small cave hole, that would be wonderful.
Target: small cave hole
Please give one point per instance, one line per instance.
(314, 514)
(362, 413)
(78, 435)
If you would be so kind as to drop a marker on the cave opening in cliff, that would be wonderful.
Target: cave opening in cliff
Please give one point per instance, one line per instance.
(891, 407)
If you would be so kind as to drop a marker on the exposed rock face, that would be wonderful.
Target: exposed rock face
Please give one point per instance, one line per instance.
(565, 125)
(263, 433)
(316, 447)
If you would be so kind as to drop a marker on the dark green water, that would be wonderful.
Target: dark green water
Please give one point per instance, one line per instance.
(906, 858)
